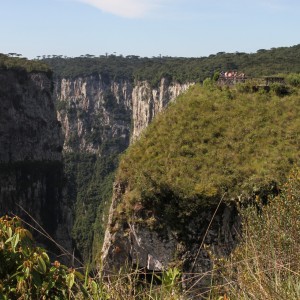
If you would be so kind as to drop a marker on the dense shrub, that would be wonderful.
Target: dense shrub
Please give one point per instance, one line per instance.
(279, 89)
(22, 63)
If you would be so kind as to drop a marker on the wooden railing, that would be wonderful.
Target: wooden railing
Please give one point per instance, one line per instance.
(260, 81)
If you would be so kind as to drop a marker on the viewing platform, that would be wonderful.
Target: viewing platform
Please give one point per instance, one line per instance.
(230, 79)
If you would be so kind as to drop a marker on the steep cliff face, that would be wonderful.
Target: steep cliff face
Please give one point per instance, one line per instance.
(94, 109)
(99, 116)
(28, 125)
(95, 114)
(31, 171)
(147, 102)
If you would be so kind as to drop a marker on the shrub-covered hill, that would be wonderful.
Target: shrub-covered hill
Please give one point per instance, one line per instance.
(209, 142)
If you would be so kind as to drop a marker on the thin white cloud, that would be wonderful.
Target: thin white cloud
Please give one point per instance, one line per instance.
(126, 8)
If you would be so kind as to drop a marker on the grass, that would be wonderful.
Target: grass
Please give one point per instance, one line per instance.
(266, 263)
(209, 142)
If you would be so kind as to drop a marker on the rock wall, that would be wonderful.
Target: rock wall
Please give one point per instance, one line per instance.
(29, 129)
(147, 102)
(131, 241)
(94, 109)
(31, 170)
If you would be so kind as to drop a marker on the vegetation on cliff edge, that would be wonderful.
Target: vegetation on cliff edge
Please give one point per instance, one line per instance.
(22, 63)
(211, 141)
(131, 68)
(266, 264)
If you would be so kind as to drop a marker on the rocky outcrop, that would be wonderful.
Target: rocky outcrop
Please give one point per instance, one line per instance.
(31, 170)
(131, 241)
(134, 244)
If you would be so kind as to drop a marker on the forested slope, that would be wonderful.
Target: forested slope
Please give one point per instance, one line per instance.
(182, 69)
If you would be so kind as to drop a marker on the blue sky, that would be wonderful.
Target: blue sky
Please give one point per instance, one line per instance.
(189, 28)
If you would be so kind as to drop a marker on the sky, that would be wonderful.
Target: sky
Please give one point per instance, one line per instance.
(147, 28)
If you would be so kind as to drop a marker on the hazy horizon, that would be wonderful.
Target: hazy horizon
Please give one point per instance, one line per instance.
(147, 28)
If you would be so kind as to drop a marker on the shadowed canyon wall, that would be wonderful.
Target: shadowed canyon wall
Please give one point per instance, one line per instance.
(31, 170)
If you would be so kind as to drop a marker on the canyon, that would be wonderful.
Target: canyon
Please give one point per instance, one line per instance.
(100, 118)
(63, 136)
(49, 125)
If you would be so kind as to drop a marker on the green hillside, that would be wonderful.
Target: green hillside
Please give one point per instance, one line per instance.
(210, 142)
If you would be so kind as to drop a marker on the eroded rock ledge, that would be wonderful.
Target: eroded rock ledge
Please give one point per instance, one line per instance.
(156, 249)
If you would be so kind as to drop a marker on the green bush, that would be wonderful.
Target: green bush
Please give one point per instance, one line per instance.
(208, 83)
(293, 79)
(26, 271)
(279, 89)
